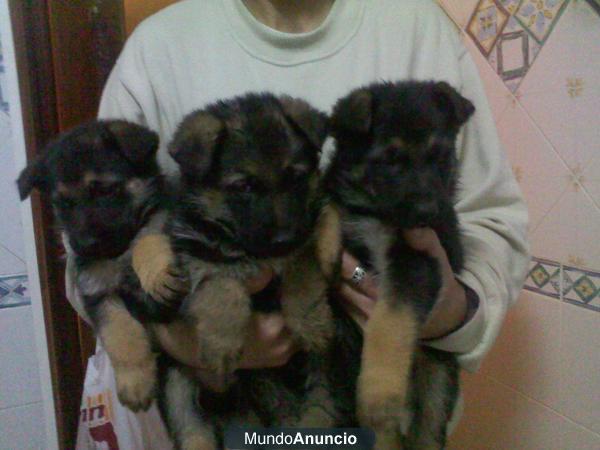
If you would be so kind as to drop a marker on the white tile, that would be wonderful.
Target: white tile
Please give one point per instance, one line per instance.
(569, 232)
(498, 95)
(500, 418)
(9, 263)
(526, 355)
(581, 391)
(562, 89)
(579, 438)
(22, 428)
(11, 231)
(591, 178)
(541, 173)
(19, 376)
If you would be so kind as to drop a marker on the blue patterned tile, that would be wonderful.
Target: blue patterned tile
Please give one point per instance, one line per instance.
(583, 288)
(540, 16)
(486, 24)
(14, 291)
(544, 278)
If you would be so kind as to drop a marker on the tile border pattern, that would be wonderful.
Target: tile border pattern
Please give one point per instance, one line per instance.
(496, 22)
(14, 291)
(570, 284)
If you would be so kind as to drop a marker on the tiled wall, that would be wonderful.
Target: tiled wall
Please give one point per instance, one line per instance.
(540, 61)
(21, 409)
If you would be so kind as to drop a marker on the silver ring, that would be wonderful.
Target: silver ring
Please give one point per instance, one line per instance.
(358, 275)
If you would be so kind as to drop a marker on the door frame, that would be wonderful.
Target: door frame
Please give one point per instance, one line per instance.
(64, 52)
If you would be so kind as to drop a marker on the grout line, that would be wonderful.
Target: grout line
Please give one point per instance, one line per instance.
(8, 408)
(540, 403)
(13, 253)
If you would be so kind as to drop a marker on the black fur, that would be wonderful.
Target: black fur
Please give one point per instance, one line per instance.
(105, 187)
(249, 198)
(395, 165)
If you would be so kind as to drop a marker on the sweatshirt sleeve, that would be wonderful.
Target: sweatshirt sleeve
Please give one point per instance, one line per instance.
(493, 219)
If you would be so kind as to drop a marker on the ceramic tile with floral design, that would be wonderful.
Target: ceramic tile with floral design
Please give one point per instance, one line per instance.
(539, 16)
(583, 289)
(544, 277)
(513, 54)
(486, 24)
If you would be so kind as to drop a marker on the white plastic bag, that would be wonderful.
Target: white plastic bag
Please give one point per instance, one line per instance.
(105, 424)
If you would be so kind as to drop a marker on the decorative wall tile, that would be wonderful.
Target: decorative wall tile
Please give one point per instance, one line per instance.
(459, 10)
(582, 287)
(514, 54)
(486, 24)
(544, 277)
(561, 91)
(14, 291)
(540, 16)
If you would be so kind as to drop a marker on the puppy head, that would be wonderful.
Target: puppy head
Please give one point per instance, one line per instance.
(396, 150)
(250, 166)
(102, 178)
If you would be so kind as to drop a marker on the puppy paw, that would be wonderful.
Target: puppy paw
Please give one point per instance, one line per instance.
(169, 287)
(383, 408)
(136, 385)
(197, 441)
(153, 263)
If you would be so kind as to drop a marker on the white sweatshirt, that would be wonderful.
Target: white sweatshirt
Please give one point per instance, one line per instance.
(197, 51)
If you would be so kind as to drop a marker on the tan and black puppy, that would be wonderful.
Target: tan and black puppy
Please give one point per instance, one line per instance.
(249, 200)
(394, 168)
(106, 192)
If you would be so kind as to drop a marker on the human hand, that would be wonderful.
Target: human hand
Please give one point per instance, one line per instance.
(450, 309)
(448, 312)
(269, 343)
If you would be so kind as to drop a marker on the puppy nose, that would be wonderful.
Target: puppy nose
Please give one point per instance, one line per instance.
(426, 210)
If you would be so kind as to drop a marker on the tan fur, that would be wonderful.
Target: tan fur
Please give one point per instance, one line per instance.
(197, 442)
(389, 341)
(329, 240)
(153, 262)
(128, 346)
(221, 311)
(304, 302)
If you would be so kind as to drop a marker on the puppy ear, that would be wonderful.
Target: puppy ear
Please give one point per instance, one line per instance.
(137, 143)
(458, 108)
(311, 122)
(353, 113)
(194, 142)
(32, 176)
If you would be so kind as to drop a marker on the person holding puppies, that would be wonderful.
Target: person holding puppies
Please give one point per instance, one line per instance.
(195, 52)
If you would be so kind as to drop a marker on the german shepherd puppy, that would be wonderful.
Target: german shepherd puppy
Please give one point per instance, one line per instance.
(394, 168)
(249, 199)
(106, 191)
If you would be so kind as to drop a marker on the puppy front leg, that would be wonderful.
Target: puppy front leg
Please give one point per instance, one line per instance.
(305, 304)
(329, 241)
(153, 261)
(389, 343)
(220, 309)
(181, 411)
(128, 346)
